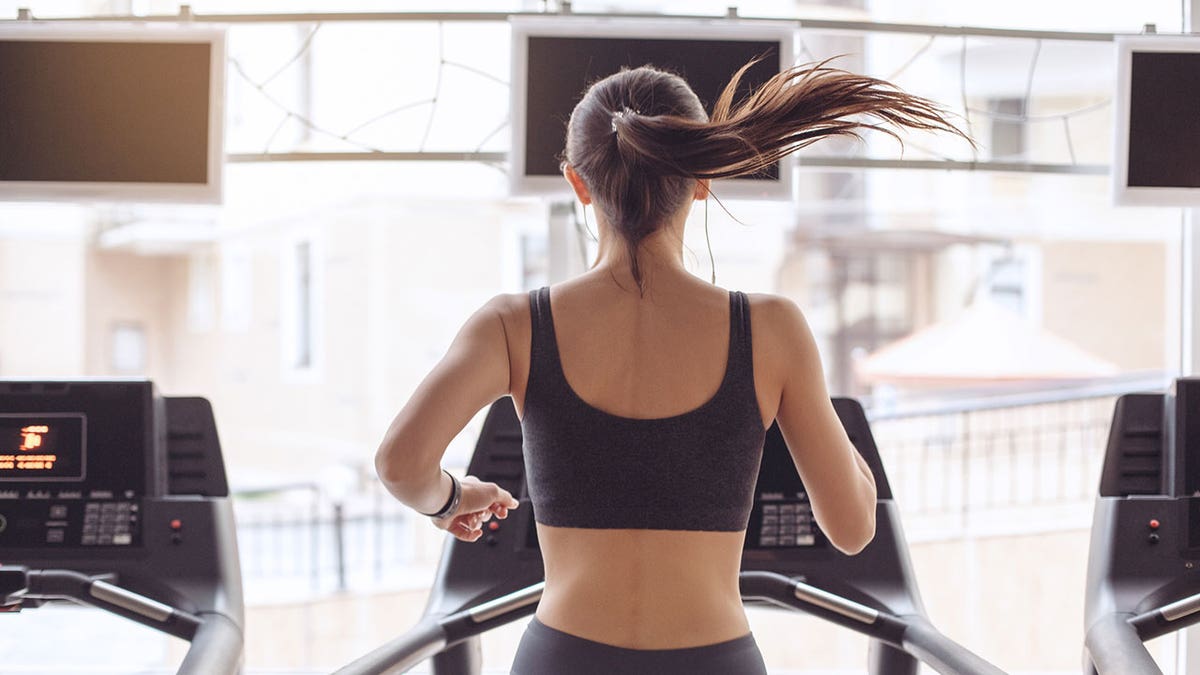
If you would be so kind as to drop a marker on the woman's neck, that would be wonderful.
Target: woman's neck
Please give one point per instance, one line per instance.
(659, 253)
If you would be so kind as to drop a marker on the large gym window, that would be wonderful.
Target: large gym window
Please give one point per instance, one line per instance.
(985, 319)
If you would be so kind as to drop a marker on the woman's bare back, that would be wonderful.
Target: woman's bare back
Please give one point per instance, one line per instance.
(652, 357)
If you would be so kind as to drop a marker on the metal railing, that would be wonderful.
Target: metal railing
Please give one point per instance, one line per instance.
(958, 459)
(1044, 453)
(295, 538)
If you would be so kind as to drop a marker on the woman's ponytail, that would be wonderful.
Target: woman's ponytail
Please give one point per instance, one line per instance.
(640, 138)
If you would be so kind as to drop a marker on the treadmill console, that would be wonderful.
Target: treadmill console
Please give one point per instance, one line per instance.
(115, 497)
(73, 464)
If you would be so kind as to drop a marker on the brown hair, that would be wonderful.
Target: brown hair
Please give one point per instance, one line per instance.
(640, 138)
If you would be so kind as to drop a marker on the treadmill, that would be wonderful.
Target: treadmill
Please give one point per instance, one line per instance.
(1143, 579)
(115, 497)
(786, 562)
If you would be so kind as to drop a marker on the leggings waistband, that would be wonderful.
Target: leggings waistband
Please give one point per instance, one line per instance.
(545, 651)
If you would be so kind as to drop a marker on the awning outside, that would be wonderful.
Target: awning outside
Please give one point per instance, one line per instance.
(985, 344)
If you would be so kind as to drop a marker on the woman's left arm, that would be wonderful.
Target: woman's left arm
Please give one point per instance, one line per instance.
(473, 373)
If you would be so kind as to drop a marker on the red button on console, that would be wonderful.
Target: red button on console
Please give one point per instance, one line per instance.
(177, 524)
(493, 526)
(1154, 524)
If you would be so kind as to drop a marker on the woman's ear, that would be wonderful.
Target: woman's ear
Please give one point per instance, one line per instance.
(577, 184)
(702, 189)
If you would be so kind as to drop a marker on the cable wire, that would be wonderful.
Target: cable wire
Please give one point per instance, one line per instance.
(304, 46)
(437, 87)
(916, 55)
(1037, 49)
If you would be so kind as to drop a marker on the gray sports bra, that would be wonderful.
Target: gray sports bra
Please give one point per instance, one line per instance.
(588, 468)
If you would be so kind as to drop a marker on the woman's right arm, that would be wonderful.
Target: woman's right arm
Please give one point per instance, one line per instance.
(840, 485)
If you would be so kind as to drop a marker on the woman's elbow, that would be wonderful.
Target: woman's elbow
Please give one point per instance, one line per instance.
(401, 464)
(852, 542)
(854, 535)
(385, 468)
(389, 464)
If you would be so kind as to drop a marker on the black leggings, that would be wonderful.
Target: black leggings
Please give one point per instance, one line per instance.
(548, 651)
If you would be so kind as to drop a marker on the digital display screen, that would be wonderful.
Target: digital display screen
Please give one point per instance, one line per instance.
(560, 69)
(39, 446)
(1164, 120)
(111, 112)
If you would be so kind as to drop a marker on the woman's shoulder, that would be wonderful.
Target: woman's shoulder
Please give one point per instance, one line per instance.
(778, 327)
(510, 306)
(774, 311)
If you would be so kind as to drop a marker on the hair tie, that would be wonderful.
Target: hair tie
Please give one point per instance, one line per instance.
(626, 110)
(615, 116)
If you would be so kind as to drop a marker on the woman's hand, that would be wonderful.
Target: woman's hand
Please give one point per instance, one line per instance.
(480, 502)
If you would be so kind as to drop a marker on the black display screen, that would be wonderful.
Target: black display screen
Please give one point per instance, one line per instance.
(1164, 120)
(42, 447)
(74, 460)
(100, 434)
(561, 68)
(119, 112)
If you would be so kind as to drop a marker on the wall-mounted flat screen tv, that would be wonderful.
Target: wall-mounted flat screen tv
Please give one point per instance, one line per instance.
(556, 59)
(1156, 161)
(103, 112)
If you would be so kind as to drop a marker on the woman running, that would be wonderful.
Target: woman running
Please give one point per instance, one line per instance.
(644, 392)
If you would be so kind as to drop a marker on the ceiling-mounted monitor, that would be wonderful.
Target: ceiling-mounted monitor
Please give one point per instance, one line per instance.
(98, 112)
(556, 59)
(1157, 121)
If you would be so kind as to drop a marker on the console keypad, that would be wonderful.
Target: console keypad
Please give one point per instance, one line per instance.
(109, 523)
(787, 524)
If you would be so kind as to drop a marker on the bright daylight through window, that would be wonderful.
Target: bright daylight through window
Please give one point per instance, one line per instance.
(217, 217)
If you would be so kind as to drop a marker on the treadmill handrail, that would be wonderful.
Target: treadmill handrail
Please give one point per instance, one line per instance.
(507, 603)
(1169, 618)
(927, 643)
(217, 647)
(72, 585)
(216, 640)
(793, 594)
(1115, 648)
(422, 641)
(1181, 608)
(835, 603)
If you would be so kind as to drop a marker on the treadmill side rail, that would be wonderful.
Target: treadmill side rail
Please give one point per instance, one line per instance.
(216, 648)
(1181, 608)
(507, 603)
(139, 604)
(423, 641)
(1115, 648)
(941, 653)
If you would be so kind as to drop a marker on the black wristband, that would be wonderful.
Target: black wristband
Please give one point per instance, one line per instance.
(451, 504)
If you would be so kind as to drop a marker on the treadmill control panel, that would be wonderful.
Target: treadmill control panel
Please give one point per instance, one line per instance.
(73, 467)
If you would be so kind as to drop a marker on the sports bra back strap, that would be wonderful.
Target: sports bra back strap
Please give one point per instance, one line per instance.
(544, 367)
(740, 352)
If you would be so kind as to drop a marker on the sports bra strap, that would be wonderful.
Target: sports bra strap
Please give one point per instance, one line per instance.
(545, 362)
(740, 352)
